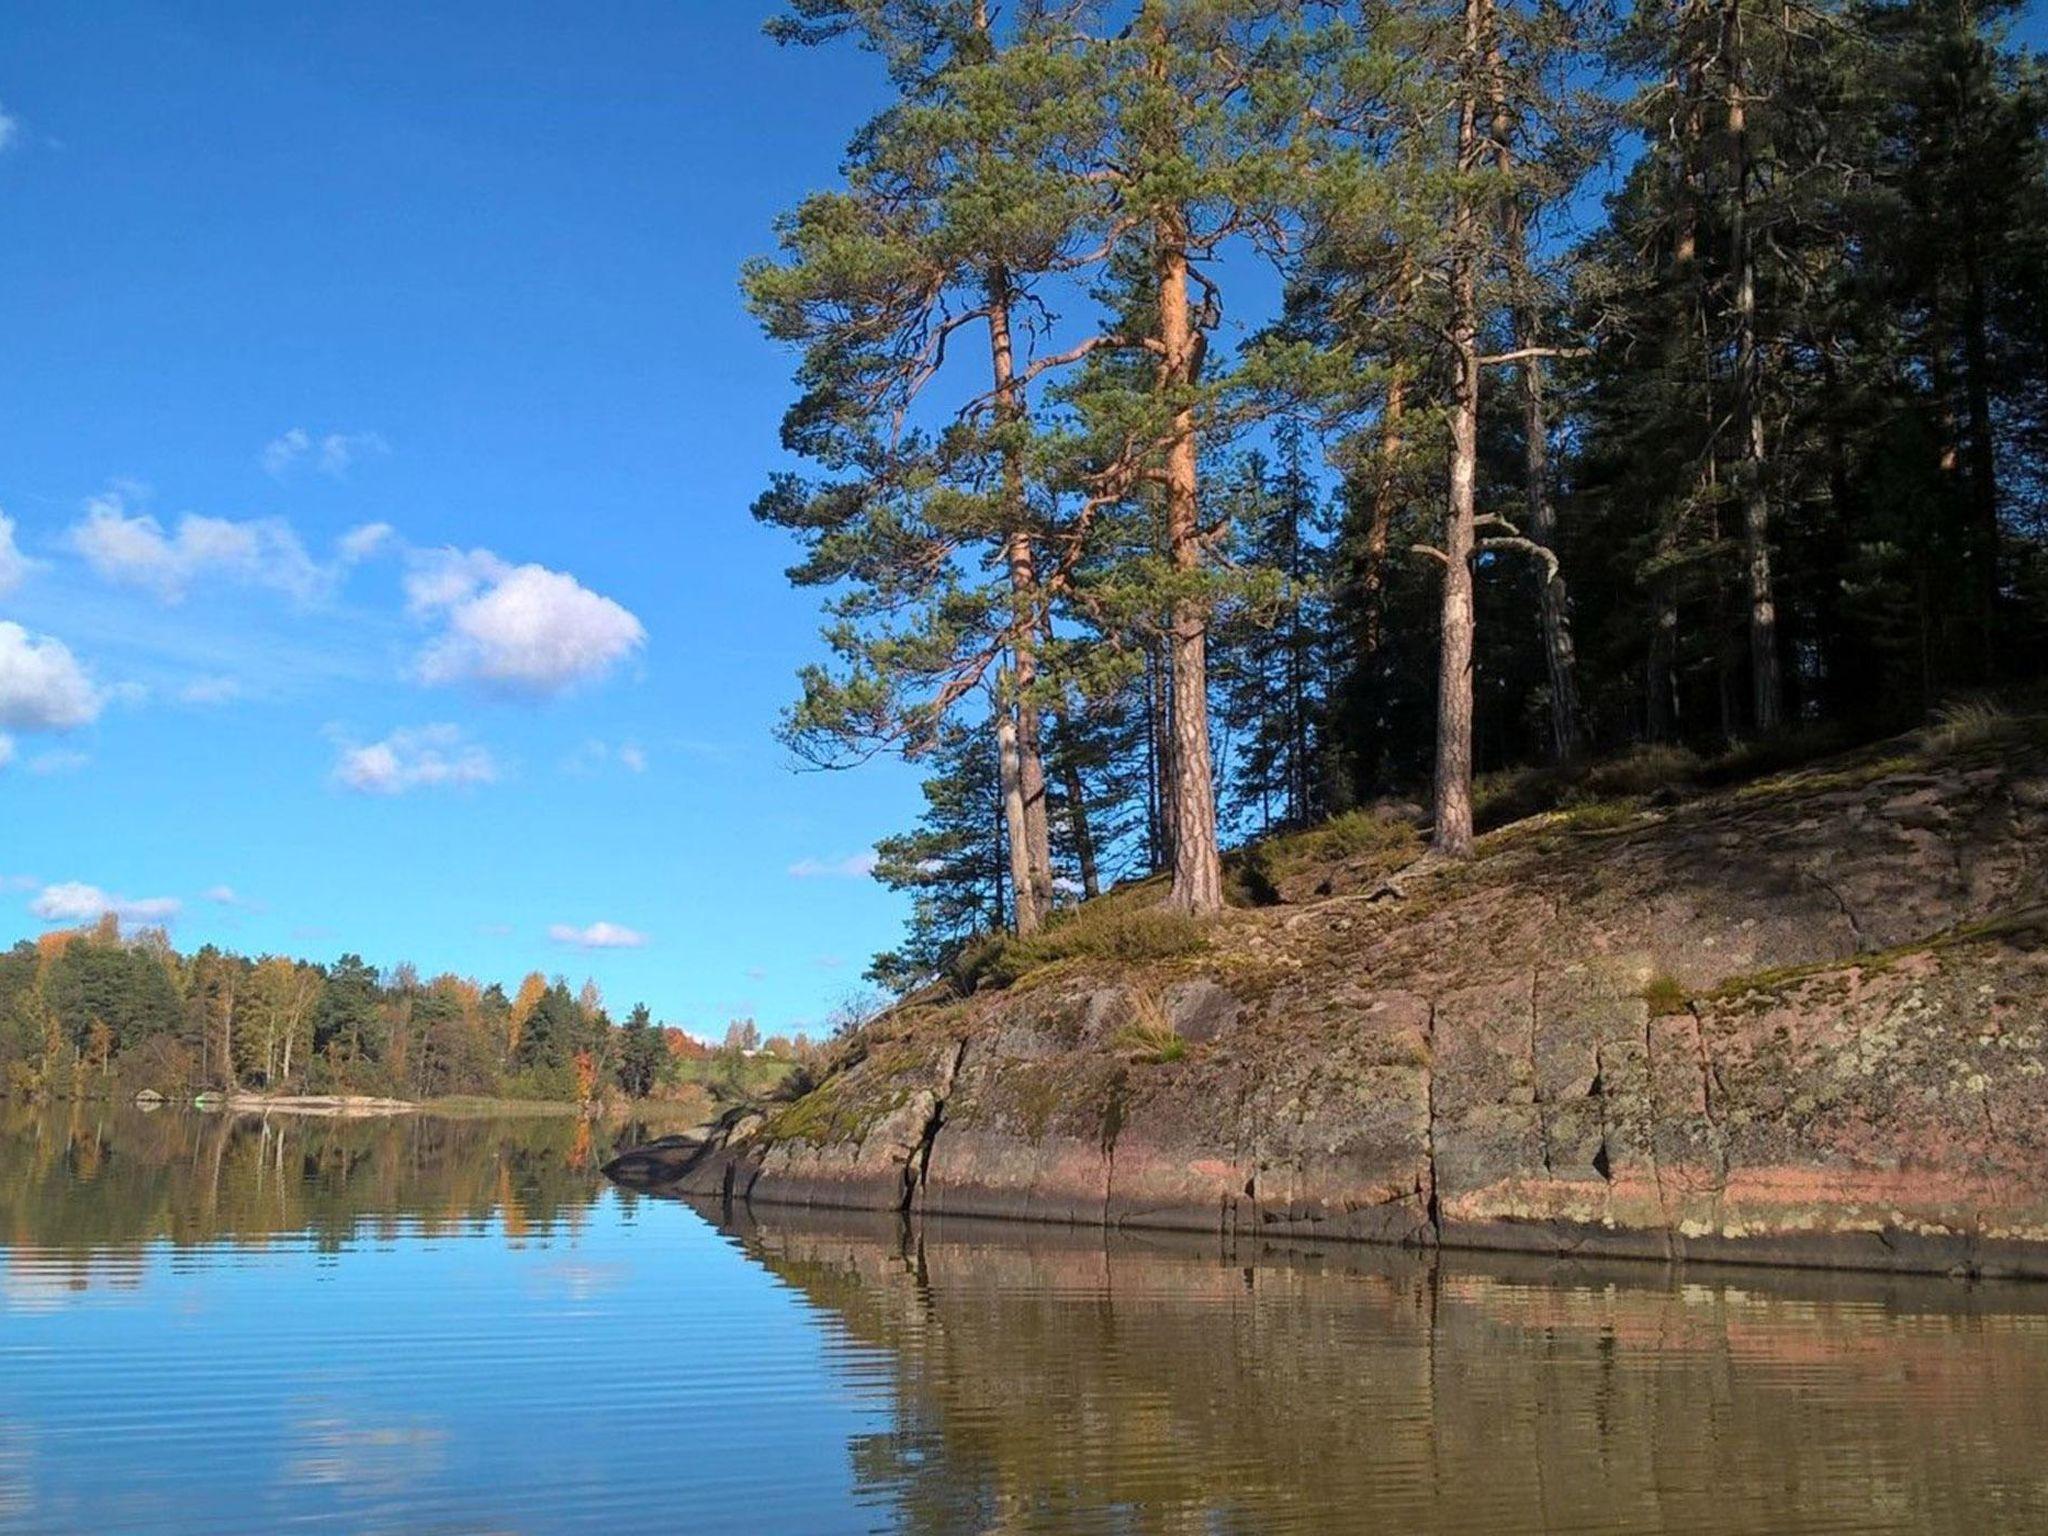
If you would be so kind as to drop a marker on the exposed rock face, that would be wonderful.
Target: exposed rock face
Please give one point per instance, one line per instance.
(1803, 1022)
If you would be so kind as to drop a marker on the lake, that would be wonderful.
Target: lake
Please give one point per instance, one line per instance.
(211, 1324)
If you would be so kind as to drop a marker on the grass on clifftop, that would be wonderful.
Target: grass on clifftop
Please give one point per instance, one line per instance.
(1360, 847)
(1356, 849)
(1120, 926)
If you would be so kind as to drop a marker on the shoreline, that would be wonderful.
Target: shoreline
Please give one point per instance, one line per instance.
(1802, 1022)
(707, 1174)
(327, 1106)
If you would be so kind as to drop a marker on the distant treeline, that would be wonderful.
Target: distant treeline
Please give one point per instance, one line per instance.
(87, 1011)
(1223, 413)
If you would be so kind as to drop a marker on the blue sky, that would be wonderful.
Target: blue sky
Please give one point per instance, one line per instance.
(378, 424)
(377, 434)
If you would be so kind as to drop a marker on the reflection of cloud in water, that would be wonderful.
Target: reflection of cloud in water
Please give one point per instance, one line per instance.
(576, 1280)
(332, 1451)
(34, 1283)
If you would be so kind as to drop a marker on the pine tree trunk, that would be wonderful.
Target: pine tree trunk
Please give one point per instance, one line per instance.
(1453, 796)
(1016, 708)
(1024, 917)
(1077, 826)
(1385, 492)
(1662, 712)
(1297, 674)
(1158, 779)
(1559, 654)
(1983, 542)
(1540, 513)
(1197, 860)
(1766, 686)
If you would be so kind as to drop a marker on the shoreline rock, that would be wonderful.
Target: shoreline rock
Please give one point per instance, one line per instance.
(1800, 1023)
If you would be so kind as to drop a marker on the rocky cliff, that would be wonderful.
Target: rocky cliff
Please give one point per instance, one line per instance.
(1803, 1020)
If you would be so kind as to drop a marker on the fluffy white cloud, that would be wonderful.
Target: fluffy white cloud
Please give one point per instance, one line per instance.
(14, 565)
(42, 686)
(76, 902)
(853, 867)
(632, 757)
(221, 896)
(523, 630)
(133, 549)
(428, 757)
(597, 936)
(331, 452)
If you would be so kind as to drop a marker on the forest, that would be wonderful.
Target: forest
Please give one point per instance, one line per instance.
(85, 1013)
(1221, 416)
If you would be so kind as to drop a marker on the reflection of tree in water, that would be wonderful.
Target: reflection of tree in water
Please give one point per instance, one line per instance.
(1044, 1381)
(89, 1177)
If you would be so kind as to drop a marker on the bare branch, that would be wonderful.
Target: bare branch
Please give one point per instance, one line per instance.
(1527, 547)
(1523, 354)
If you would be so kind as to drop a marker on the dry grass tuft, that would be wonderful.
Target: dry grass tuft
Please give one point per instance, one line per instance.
(1964, 723)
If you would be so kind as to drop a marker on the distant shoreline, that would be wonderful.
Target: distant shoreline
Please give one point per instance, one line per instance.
(322, 1105)
(352, 1106)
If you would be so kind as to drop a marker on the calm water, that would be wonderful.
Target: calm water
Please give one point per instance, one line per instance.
(211, 1325)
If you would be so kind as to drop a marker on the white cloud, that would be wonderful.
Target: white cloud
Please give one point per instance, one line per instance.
(6, 749)
(10, 129)
(57, 760)
(76, 902)
(221, 896)
(854, 866)
(594, 755)
(210, 690)
(133, 549)
(286, 449)
(426, 757)
(363, 541)
(522, 630)
(331, 453)
(14, 565)
(597, 936)
(42, 686)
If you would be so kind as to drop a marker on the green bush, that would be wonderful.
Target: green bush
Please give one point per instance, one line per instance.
(1098, 930)
(1644, 771)
(1372, 832)
(1665, 996)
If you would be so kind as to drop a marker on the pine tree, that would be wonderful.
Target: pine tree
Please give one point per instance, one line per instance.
(953, 865)
(959, 206)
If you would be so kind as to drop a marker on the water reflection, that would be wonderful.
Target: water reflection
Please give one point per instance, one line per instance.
(1061, 1384)
(100, 1180)
(212, 1324)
